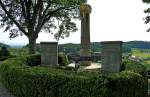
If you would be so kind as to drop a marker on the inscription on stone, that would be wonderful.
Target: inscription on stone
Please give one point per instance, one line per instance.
(49, 53)
(111, 56)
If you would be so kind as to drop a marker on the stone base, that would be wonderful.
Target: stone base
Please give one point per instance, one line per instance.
(85, 54)
(85, 63)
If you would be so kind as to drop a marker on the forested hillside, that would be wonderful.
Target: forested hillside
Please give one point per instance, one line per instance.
(1, 45)
(96, 46)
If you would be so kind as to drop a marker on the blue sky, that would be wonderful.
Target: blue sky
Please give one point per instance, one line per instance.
(110, 20)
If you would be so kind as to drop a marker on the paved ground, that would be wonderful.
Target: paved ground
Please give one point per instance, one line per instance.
(4, 92)
(92, 66)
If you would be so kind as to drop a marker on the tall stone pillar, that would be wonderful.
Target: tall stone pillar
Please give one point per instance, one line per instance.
(111, 56)
(85, 52)
(49, 53)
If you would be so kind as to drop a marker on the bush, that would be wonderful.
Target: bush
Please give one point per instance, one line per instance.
(4, 54)
(26, 81)
(4, 51)
(128, 84)
(134, 66)
(33, 60)
(63, 60)
(2, 58)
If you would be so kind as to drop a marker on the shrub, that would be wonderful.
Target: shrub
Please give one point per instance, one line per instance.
(4, 54)
(33, 60)
(128, 84)
(134, 66)
(2, 58)
(26, 81)
(63, 60)
(4, 51)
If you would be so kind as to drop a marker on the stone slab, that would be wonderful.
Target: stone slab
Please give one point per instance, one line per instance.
(49, 53)
(111, 56)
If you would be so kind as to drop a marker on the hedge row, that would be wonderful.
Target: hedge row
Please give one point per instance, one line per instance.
(24, 81)
(35, 60)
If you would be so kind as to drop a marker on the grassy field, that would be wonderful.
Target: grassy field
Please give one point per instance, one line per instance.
(147, 64)
(139, 53)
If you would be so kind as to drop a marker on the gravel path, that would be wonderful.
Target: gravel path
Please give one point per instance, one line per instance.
(4, 92)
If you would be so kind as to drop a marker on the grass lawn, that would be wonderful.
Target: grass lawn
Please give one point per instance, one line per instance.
(143, 55)
(138, 53)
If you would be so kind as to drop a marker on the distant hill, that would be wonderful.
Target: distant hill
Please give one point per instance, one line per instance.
(1, 45)
(17, 46)
(96, 46)
(137, 44)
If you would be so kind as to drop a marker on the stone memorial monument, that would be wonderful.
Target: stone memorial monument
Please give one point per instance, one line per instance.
(49, 53)
(85, 52)
(111, 56)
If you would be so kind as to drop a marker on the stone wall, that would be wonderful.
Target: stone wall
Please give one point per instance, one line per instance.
(49, 53)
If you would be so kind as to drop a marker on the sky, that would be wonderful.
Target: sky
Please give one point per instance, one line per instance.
(111, 20)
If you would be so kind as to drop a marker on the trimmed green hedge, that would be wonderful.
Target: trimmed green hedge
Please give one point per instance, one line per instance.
(24, 81)
(33, 60)
(128, 84)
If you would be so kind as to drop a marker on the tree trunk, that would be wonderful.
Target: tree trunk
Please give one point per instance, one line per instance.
(32, 45)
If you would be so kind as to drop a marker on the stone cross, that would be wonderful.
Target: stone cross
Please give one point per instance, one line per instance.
(85, 52)
(111, 56)
(49, 53)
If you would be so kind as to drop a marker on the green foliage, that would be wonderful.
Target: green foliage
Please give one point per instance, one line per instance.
(69, 48)
(126, 49)
(26, 81)
(140, 53)
(4, 53)
(19, 52)
(147, 11)
(146, 1)
(2, 44)
(30, 17)
(96, 47)
(128, 84)
(33, 60)
(62, 59)
(134, 66)
(147, 64)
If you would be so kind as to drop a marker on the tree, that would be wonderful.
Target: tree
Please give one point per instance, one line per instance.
(30, 17)
(147, 11)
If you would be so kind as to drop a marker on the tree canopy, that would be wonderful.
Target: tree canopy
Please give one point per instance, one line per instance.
(147, 11)
(29, 17)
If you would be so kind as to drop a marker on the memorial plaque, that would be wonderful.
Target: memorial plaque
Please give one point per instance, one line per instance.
(49, 53)
(111, 56)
